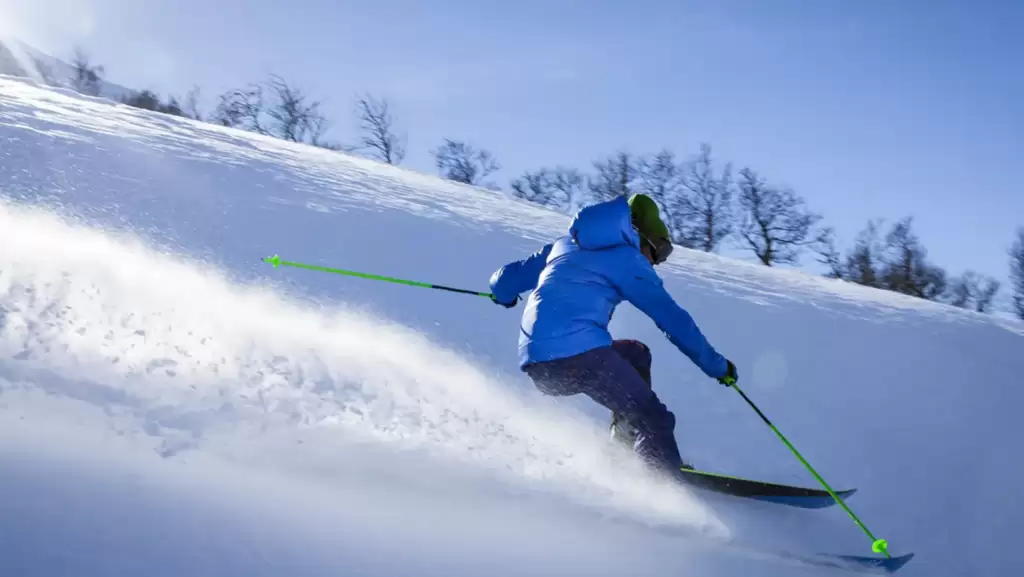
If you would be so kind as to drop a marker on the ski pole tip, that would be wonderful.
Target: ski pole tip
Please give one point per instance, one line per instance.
(880, 546)
(274, 260)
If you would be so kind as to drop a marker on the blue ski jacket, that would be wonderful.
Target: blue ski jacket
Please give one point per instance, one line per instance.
(577, 281)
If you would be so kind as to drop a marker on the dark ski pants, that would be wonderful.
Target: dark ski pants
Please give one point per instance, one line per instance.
(619, 378)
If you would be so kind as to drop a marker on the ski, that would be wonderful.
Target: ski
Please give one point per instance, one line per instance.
(802, 497)
(855, 563)
(851, 563)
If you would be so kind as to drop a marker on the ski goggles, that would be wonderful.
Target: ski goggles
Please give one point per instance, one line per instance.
(660, 248)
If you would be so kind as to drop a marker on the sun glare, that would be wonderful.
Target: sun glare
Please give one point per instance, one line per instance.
(46, 24)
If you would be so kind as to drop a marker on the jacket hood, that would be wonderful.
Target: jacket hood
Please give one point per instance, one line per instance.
(604, 225)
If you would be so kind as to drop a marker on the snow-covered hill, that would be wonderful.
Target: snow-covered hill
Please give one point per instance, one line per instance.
(171, 405)
(24, 61)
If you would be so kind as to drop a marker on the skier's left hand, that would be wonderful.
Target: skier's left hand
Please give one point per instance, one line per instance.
(730, 377)
(506, 305)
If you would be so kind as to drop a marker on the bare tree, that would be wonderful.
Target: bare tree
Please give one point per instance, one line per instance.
(87, 78)
(173, 107)
(615, 176)
(534, 187)
(242, 108)
(708, 201)
(378, 135)
(905, 266)
(961, 291)
(661, 178)
(983, 302)
(898, 262)
(149, 100)
(293, 115)
(775, 224)
(274, 108)
(971, 290)
(570, 185)
(828, 253)
(192, 109)
(461, 162)
(863, 264)
(317, 129)
(560, 187)
(146, 100)
(1017, 273)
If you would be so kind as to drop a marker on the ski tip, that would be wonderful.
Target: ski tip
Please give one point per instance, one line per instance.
(857, 563)
(894, 563)
(883, 565)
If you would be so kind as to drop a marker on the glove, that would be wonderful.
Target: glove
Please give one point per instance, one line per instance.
(730, 377)
(507, 305)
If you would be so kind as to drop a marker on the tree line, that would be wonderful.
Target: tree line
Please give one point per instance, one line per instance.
(704, 201)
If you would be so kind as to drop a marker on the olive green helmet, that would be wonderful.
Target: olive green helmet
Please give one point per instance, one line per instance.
(647, 221)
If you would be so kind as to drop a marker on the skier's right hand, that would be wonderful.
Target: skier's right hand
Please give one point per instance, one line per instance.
(506, 305)
(730, 377)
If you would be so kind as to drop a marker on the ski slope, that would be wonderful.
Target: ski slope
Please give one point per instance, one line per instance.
(170, 405)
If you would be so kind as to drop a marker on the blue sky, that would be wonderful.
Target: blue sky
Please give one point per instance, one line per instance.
(866, 108)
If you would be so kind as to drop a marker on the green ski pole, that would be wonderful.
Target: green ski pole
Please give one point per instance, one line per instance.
(877, 545)
(276, 261)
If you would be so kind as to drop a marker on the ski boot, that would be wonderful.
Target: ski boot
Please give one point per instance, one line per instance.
(622, 432)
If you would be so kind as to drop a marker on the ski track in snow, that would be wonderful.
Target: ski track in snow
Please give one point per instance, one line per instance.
(137, 323)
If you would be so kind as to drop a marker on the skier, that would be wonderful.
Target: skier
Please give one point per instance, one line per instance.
(575, 283)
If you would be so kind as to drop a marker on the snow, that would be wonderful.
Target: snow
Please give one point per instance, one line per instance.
(21, 60)
(170, 404)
